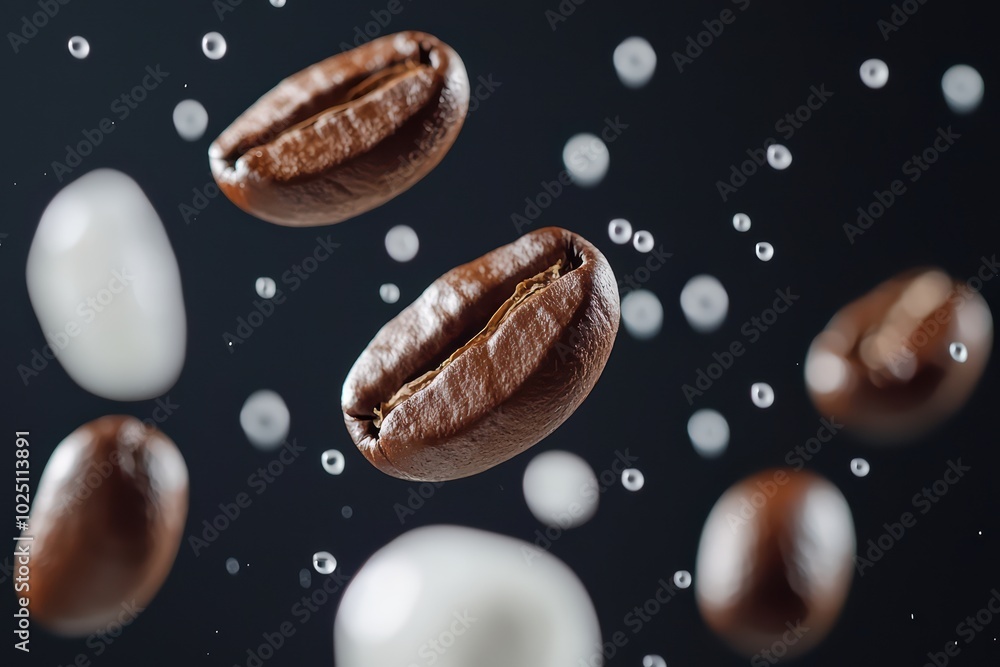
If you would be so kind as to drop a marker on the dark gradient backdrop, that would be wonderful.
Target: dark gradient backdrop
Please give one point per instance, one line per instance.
(684, 130)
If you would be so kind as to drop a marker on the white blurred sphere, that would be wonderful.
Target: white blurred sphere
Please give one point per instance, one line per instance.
(709, 433)
(963, 88)
(265, 419)
(586, 159)
(402, 243)
(642, 314)
(635, 62)
(486, 599)
(561, 489)
(190, 120)
(705, 303)
(874, 73)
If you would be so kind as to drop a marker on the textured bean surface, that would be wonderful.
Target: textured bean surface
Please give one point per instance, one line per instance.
(505, 391)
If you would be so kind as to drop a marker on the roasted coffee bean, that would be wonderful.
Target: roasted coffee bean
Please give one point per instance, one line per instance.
(346, 135)
(488, 361)
(902, 358)
(106, 521)
(775, 563)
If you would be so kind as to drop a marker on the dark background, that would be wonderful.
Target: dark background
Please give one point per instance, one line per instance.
(684, 132)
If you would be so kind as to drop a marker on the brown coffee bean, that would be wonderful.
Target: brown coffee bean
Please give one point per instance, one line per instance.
(775, 563)
(107, 522)
(346, 135)
(491, 359)
(902, 358)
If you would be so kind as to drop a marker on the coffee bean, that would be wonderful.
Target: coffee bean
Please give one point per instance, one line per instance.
(345, 135)
(107, 521)
(902, 358)
(487, 362)
(775, 563)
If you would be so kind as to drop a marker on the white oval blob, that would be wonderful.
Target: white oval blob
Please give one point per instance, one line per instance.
(333, 461)
(642, 314)
(874, 73)
(79, 47)
(561, 489)
(587, 159)
(494, 600)
(105, 286)
(324, 562)
(635, 62)
(709, 433)
(213, 45)
(190, 120)
(643, 241)
(825, 372)
(765, 251)
(963, 88)
(705, 303)
(779, 157)
(620, 231)
(741, 222)
(265, 419)
(633, 479)
(389, 293)
(762, 394)
(265, 287)
(402, 243)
